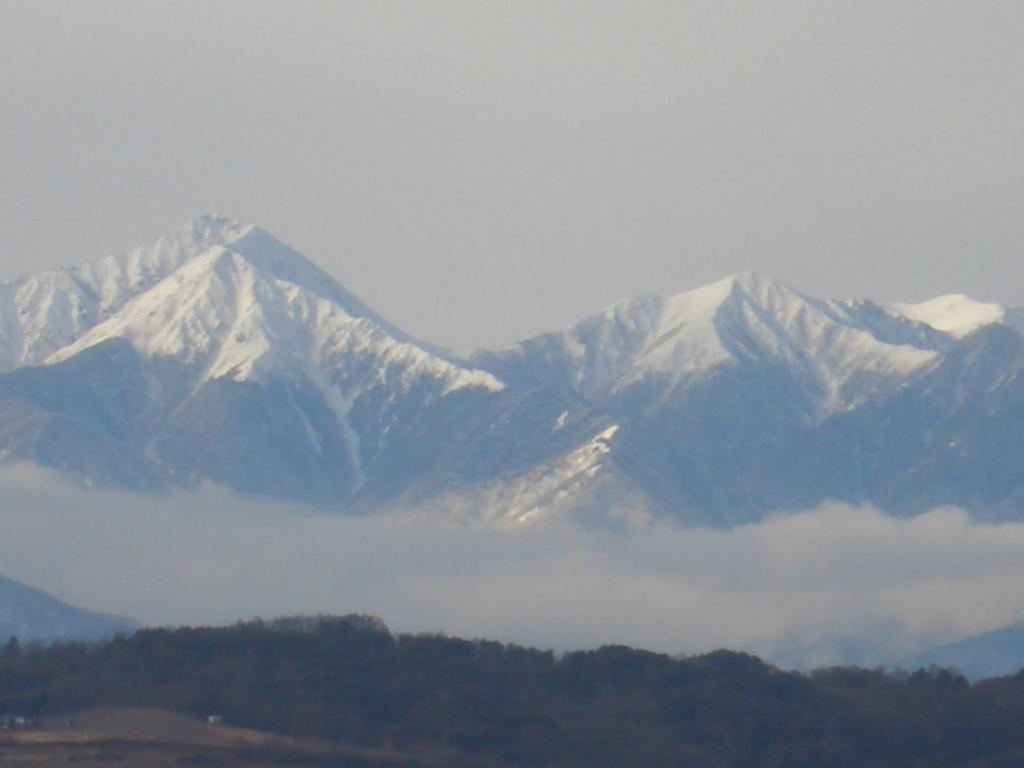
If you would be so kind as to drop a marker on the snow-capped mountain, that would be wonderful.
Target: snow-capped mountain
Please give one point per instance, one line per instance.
(219, 353)
(722, 385)
(42, 314)
(31, 615)
(842, 352)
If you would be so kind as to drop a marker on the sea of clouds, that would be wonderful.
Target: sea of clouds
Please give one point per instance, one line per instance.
(834, 584)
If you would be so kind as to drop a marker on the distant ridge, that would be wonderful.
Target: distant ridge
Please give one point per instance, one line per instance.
(991, 654)
(32, 615)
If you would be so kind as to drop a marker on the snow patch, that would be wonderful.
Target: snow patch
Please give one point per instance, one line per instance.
(959, 315)
(560, 421)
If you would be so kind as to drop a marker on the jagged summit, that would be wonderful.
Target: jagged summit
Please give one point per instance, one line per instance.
(194, 240)
(272, 258)
(242, 304)
(207, 228)
(116, 277)
(761, 287)
(43, 313)
(56, 313)
(842, 350)
(752, 318)
(951, 316)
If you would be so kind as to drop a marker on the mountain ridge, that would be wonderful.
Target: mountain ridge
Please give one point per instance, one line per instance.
(995, 653)
(32, 615)
(236, 360)
(736, 318)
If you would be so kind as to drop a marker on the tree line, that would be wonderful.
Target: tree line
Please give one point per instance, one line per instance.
(349, 679)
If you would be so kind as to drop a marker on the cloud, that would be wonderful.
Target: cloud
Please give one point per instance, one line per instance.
(836, 583)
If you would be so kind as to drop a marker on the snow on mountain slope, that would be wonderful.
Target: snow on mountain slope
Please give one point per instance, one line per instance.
(959, 315)
(587, 358)
(840, 350)
(252, 307)
(582, 486)
(220, 354)
(753, 318)
(332, 379)
(43, 313)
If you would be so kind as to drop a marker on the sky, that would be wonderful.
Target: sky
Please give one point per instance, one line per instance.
(813, 588)
(481, 171)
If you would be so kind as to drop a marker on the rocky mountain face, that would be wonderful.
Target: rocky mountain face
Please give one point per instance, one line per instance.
(220, 354)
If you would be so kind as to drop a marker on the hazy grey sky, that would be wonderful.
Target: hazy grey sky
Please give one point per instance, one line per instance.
(479, 171)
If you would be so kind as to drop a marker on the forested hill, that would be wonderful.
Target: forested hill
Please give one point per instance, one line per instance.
(351, 680)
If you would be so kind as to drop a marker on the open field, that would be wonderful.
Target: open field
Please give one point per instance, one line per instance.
(154, 738)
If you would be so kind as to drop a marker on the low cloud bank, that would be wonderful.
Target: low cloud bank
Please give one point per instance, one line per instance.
(834, 584)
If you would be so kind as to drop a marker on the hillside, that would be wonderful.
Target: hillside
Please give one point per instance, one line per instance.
(991, 654)
(350, 682)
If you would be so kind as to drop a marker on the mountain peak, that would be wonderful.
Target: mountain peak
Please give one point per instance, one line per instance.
(753, 281)
(52, 314)
(752, 287)
(213, 226)
(234, 302)
(170, 251)
(261, 250)
(958, 315)
(729, 297)
(762, 289)
(842, 352)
